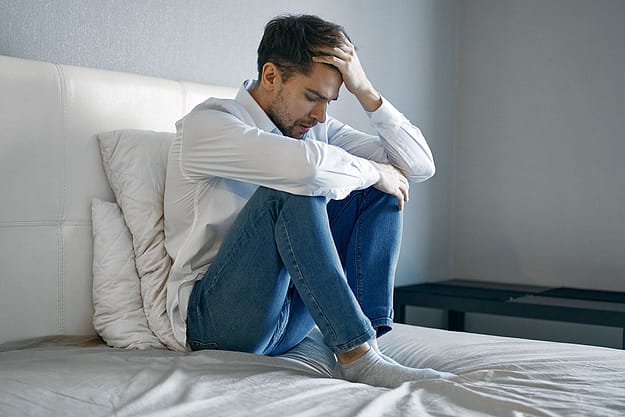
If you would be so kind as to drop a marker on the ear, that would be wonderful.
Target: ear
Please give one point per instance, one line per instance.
(271, 76)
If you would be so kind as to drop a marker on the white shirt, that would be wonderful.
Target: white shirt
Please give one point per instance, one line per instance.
(225, 149)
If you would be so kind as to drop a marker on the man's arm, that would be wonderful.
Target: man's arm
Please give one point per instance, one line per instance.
(217, 143)
(400, 147)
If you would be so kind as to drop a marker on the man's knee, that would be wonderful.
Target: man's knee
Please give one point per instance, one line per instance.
(372, 197)
(380, 195)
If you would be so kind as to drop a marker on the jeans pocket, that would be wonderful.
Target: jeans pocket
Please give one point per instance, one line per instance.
(196, 345)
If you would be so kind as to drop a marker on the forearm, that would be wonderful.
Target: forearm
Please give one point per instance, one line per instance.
(397, 142)
(229, 149)
(369, 99)
(403, 142)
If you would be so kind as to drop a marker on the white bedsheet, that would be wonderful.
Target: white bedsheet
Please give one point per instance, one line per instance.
(496, 377)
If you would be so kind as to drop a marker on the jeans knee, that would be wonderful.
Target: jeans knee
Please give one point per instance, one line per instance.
(381, 196)
(379, 200)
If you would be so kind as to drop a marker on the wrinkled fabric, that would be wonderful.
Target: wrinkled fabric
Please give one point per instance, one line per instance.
(496, 377)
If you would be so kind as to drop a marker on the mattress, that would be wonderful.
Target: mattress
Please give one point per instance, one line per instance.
(80, 376)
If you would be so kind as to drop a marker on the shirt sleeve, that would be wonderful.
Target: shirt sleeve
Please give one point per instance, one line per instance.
(398, 142)
(218, 144)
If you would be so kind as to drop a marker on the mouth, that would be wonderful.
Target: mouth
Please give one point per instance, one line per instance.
(307, 127)
(300, 129)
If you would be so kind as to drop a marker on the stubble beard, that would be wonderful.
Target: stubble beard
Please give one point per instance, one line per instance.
(278, 112)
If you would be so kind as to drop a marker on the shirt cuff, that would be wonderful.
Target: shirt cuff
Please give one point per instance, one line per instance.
(370, 174)
(386, 117)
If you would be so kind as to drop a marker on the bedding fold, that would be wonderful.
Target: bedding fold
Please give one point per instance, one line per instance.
(496, 377)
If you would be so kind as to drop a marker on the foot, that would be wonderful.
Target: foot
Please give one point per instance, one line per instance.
(374, 345)
(372, 369)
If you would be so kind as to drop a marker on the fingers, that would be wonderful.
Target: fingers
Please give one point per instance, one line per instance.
(392, 182)
(328, 59)
(339, 52)
(343, 51)
(404, 186)
(400, 202)
(337, 56)
(402, 194)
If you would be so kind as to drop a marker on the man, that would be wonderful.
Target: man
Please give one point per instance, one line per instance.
(280, 218)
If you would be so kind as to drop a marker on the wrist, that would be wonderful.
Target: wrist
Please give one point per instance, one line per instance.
(369, 99)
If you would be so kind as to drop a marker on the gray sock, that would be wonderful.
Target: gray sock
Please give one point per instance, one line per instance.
(374, 345)
(371, 369)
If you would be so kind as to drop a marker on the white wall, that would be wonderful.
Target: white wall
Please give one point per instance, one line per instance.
(408, 49)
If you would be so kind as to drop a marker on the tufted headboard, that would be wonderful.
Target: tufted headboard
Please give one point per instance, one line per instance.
(50, 169)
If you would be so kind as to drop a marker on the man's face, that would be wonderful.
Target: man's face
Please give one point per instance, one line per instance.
(301, 101)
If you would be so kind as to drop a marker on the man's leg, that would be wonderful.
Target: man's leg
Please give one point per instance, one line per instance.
(367, 227)
(244, 302)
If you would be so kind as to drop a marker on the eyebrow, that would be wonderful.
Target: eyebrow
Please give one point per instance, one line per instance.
(321, 96)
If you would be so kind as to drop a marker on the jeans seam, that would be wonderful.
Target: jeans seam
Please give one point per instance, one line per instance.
(204, 345)
(358, 261)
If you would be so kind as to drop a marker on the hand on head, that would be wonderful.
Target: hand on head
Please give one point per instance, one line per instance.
(345, 59)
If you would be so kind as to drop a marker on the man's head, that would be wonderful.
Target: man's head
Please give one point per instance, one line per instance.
(293, 90)
(290, 42)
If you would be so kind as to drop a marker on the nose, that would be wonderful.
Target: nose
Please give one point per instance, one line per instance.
(319, 111)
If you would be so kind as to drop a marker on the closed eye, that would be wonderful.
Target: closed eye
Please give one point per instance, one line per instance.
(314, 96)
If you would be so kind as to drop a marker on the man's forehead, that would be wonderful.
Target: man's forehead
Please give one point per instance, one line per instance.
(324, 81)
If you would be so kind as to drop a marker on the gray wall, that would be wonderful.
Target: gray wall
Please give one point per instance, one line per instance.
(540, 173)
(523, 103)
(539, 189)
(408, 50)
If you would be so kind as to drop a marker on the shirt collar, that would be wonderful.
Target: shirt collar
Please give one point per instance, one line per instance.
(259, 116)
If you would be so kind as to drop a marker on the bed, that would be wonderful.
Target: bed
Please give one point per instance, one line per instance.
(53, 361)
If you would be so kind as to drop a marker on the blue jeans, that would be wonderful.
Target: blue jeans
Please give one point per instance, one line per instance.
(290, 262)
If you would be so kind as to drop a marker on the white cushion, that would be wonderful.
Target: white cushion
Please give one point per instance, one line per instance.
(135, 164)
(119, 317)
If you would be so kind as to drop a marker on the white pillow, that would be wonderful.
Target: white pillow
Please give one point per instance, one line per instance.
(135, 162)
(119, 317)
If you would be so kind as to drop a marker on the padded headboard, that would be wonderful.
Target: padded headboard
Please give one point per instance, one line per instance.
(51, 169)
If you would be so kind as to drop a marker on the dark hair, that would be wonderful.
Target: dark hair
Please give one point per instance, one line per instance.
(290, 41)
